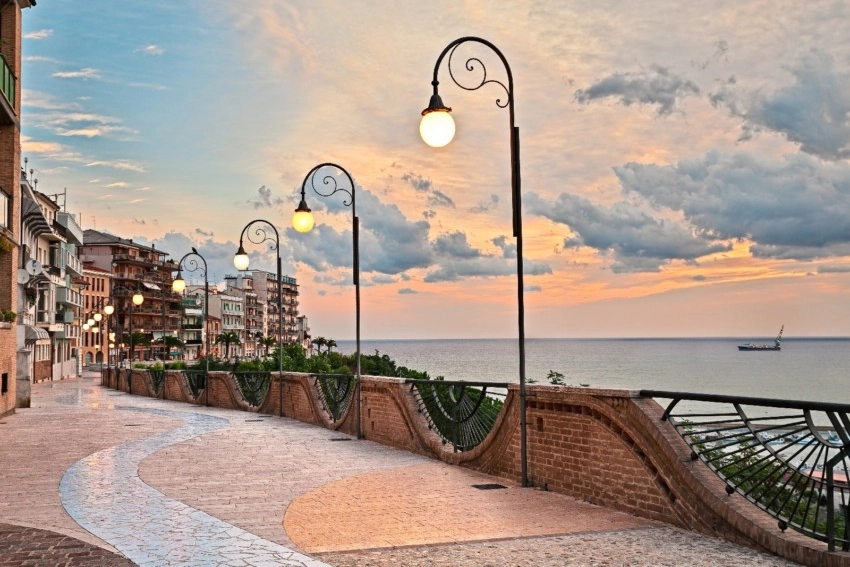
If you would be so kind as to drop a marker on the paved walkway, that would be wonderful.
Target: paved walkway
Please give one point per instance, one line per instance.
(91, 476)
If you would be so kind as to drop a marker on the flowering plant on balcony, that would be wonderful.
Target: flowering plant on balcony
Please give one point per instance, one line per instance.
(7, 316)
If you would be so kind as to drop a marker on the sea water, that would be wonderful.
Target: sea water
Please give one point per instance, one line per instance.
(805, 369)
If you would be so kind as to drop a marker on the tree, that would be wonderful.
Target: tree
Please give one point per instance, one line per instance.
(267, 343)
(169, 342)
(330, 344)
(228, 338)
(319, 342)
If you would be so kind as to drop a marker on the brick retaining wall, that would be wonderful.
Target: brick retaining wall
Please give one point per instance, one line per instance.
(608, 447)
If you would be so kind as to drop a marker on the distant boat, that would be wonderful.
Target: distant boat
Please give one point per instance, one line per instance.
(774, 346)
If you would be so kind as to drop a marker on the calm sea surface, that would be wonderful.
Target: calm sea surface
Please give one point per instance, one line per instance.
(805, 369)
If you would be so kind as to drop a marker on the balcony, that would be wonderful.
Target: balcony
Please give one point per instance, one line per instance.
(7, 86)
(69, 296)
(69, 228)
(73, 264)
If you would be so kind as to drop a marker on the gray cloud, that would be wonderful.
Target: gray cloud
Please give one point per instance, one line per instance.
(419, 183)
(656, 87)
(455, 245)
(813, 112)
(845, 269)
(638, 241)
(456, 259)
(798, 207)
(440, 199)
(389, 242)
(407, 291)
(485, 206)
(264, 199)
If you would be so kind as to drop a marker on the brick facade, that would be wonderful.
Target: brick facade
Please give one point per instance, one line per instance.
(10, 165)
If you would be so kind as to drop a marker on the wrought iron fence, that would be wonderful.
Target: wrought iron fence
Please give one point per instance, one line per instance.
(335, 392)
(253, 385)
(157, 379)
(196, 378)
(789, 458)
(462, 413)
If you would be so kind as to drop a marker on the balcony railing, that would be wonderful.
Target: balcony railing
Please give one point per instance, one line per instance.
(790, 458)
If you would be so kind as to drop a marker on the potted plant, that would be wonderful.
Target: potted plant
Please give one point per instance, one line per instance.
(7, 318)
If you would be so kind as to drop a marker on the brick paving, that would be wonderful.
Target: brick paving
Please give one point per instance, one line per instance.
(30, 547)
(293, 486)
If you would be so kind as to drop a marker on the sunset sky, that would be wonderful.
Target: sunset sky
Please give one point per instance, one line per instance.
(685, 165)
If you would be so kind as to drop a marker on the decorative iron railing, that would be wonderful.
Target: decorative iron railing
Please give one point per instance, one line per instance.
(196, 378)
(253, 385)
(462, 413)
(789, 458)
(157, 379)
(335, 392)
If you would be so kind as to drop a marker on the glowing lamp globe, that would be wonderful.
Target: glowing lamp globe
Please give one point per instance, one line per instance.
(241, 260)
(90, 322)
(302, 220)
(85, 326)
(138, 299)
(98, 317)
(178, 285)
(437, 127)
(109, 309)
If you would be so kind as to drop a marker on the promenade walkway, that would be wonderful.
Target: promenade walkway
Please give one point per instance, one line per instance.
(92, 476)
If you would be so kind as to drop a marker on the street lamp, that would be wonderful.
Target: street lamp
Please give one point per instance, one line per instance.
(179, 285)
(302, 220)
(138, 299)
(241, 262)
(437, 129)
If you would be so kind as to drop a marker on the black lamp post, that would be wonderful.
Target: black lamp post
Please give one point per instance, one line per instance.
(241, 261)
(437, 129)
(179, 284)
(303, 222)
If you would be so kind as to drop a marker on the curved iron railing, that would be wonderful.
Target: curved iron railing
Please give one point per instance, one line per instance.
(335, 392)
(196, 379)
(157, 379)
(789, 458)
(462, 413)
(253, 385)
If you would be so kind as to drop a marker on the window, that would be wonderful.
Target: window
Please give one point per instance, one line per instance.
(5, 210)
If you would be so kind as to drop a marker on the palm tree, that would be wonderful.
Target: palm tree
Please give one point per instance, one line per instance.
(268, 342)
(319, 342)
(228, 338)
(330, 344)
(170, 343)
(137, 339)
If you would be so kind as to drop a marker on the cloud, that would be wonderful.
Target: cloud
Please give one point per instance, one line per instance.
(456, 259)
(117, 184)
(419, 183)
(637, 240)
(435, 198)
(655, 87)
(151, 49)
(485, 206)
(407, 291)
(532, 289)
(813, 112)
(455, 245)
(389, 242)
(70, 123)
(124, 165)
(87, 73)
(794, 208)
(827, 269)
(36, 35)
(264, 199)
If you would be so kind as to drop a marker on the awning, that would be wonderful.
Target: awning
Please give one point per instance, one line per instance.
(151, 286)
(33, 334)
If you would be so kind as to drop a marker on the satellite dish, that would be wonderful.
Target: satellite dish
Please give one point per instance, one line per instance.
(23, 276)
(33, 267)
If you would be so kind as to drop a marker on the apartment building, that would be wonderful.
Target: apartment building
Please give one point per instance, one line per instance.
(94, 342)
(265, 286)
(137, 270)
(50, 285)
(10, 198)
(229, 309)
